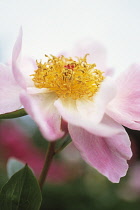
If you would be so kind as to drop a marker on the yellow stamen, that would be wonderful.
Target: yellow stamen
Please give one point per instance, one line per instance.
(67, 77)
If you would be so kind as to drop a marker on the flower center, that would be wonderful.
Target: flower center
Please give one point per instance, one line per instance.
(67, 77)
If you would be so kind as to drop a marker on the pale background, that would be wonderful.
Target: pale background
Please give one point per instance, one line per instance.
(52, 26)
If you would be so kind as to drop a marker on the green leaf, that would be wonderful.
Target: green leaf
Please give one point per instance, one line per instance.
(21, 192)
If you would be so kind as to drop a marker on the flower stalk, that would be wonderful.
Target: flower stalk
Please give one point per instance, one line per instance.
(66, 141)
(51, 151)
(49, 157)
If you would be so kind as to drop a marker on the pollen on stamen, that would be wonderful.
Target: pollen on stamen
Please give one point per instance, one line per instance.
(68, 78)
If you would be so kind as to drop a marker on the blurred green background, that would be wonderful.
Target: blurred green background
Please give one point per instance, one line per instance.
(71, 183)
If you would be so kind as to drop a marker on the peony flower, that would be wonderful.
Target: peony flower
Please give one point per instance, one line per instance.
(74, 91)
(9, 90)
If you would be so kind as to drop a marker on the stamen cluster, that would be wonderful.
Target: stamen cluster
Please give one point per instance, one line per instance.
(68, 78)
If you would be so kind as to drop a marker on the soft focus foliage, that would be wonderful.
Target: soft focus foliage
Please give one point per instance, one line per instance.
(15, 143)
(83, 187)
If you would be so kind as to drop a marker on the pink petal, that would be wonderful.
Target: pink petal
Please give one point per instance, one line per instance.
(27, 67)
(125, 107)
(9, 91)
(107, 155)
(40, 107)
(96, 51)
(87, 113)
(16, 59)
(109, 72)
(23, 67)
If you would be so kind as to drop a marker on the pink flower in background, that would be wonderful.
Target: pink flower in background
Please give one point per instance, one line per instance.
(51, 93)
(133, 178)
(9, 90)
(15, 143)
(130, 190)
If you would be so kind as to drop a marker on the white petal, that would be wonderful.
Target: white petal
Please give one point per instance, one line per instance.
(88, 113)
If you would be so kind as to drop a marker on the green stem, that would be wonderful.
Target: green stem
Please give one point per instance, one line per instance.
(15, 114)
(67, 140)
(49, 156)
(51, 151)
